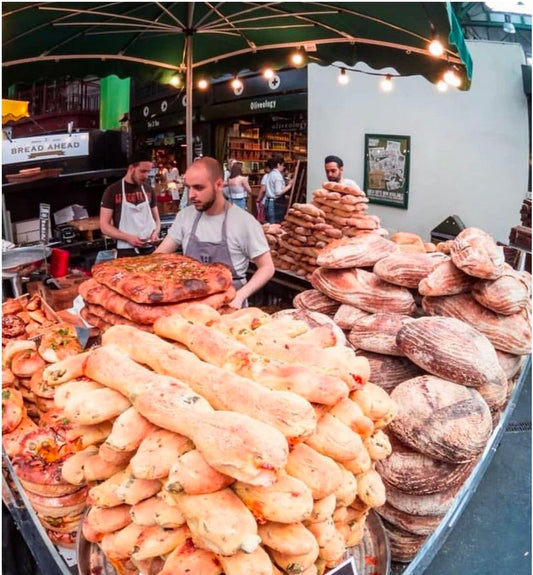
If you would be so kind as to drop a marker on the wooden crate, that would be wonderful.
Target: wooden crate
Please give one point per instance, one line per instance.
(61, 298)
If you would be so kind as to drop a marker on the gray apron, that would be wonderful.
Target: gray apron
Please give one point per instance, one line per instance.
(210, 252)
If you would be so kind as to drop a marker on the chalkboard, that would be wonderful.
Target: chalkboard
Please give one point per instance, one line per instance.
(345, 568)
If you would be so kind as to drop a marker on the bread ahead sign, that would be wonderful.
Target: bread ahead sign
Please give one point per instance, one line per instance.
(55, 146)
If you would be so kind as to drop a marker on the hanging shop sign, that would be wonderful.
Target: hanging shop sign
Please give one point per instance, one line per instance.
(252, 106)
(387, 169)
(56, 146)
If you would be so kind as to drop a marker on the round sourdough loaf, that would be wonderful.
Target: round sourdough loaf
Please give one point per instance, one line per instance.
(414, 473)
(360, 252)
(417, 524)
(314, 300)
(407, 269)
(388, 371)
(377, 332)
(433, 504)
(403, 545)
(450, 348)
(442, 419)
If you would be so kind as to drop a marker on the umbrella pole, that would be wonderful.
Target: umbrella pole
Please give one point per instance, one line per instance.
(188, 100)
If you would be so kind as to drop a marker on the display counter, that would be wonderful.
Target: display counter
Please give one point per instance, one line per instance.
(54, 560)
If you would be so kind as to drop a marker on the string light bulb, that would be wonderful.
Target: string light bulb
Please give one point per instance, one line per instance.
(203, 84)
(175, 80)
(386, 83)
(268, 73)
(297, 58)
(442, 86)
(343, 77)
(236, 83)
(451, 78)
(436, 48)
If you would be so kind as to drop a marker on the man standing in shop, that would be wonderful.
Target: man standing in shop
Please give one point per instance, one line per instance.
(275, 201)
(211, 229)
(128, 210)
(334, 167)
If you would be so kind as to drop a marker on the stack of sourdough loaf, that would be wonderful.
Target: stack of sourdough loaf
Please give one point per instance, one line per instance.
(136, 291)
(346, 208)
(336, 211)
(450, 372)
(305, 233)
(252, 451)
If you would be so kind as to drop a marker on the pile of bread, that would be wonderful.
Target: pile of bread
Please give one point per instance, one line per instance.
(445, 334)
(24, 317)
(336, 212)
(250, 447)
(130, 301)
(31, 427)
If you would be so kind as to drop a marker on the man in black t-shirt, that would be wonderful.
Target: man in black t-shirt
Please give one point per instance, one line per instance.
(128, 210)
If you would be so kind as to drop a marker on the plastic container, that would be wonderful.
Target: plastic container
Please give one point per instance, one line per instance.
(59, 263)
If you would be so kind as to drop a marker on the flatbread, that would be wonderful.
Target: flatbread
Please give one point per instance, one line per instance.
(96, 293)
(162, 278)
(110, 318)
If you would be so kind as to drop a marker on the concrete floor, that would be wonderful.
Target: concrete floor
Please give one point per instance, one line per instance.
(493, 535)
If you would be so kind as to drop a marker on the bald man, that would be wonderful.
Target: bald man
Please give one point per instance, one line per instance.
(210, 229)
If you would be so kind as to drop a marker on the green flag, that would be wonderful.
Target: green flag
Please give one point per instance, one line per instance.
(114, 101)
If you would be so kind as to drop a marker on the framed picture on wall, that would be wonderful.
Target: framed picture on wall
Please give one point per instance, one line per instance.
(387, 169)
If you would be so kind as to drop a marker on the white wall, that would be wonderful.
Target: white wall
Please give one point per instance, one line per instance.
(469, 150)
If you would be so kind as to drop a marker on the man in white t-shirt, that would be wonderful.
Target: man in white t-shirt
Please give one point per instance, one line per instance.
(211, 229)
(334, 167)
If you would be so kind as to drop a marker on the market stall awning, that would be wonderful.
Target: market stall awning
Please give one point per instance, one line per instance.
(14, 110)
(156, 40)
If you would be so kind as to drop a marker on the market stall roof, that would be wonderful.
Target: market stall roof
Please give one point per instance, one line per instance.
(14, 110)
(154, 40)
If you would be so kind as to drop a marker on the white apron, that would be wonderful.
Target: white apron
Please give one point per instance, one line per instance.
(135, 219)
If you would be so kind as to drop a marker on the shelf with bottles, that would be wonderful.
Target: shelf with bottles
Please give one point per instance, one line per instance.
(250, 145)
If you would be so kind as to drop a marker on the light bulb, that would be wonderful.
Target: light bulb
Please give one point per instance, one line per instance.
(236, 83)
(268, 73)
(175, 80)
(297, 58)
(202, 84)
(386, 84)
(442, 86)
(436, 48)
(451, 78)
(343, 77)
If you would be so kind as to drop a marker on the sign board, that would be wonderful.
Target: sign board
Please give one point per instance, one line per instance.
(387, 169)
(262, 105)
(54, 146)
(44, 222)
(345, 568)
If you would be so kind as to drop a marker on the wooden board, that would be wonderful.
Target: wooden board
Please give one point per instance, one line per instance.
(298, 193)
(87, 224)
(31, 176)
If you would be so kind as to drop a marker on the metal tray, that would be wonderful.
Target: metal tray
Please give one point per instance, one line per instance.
(372, 555)
(17, 258)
